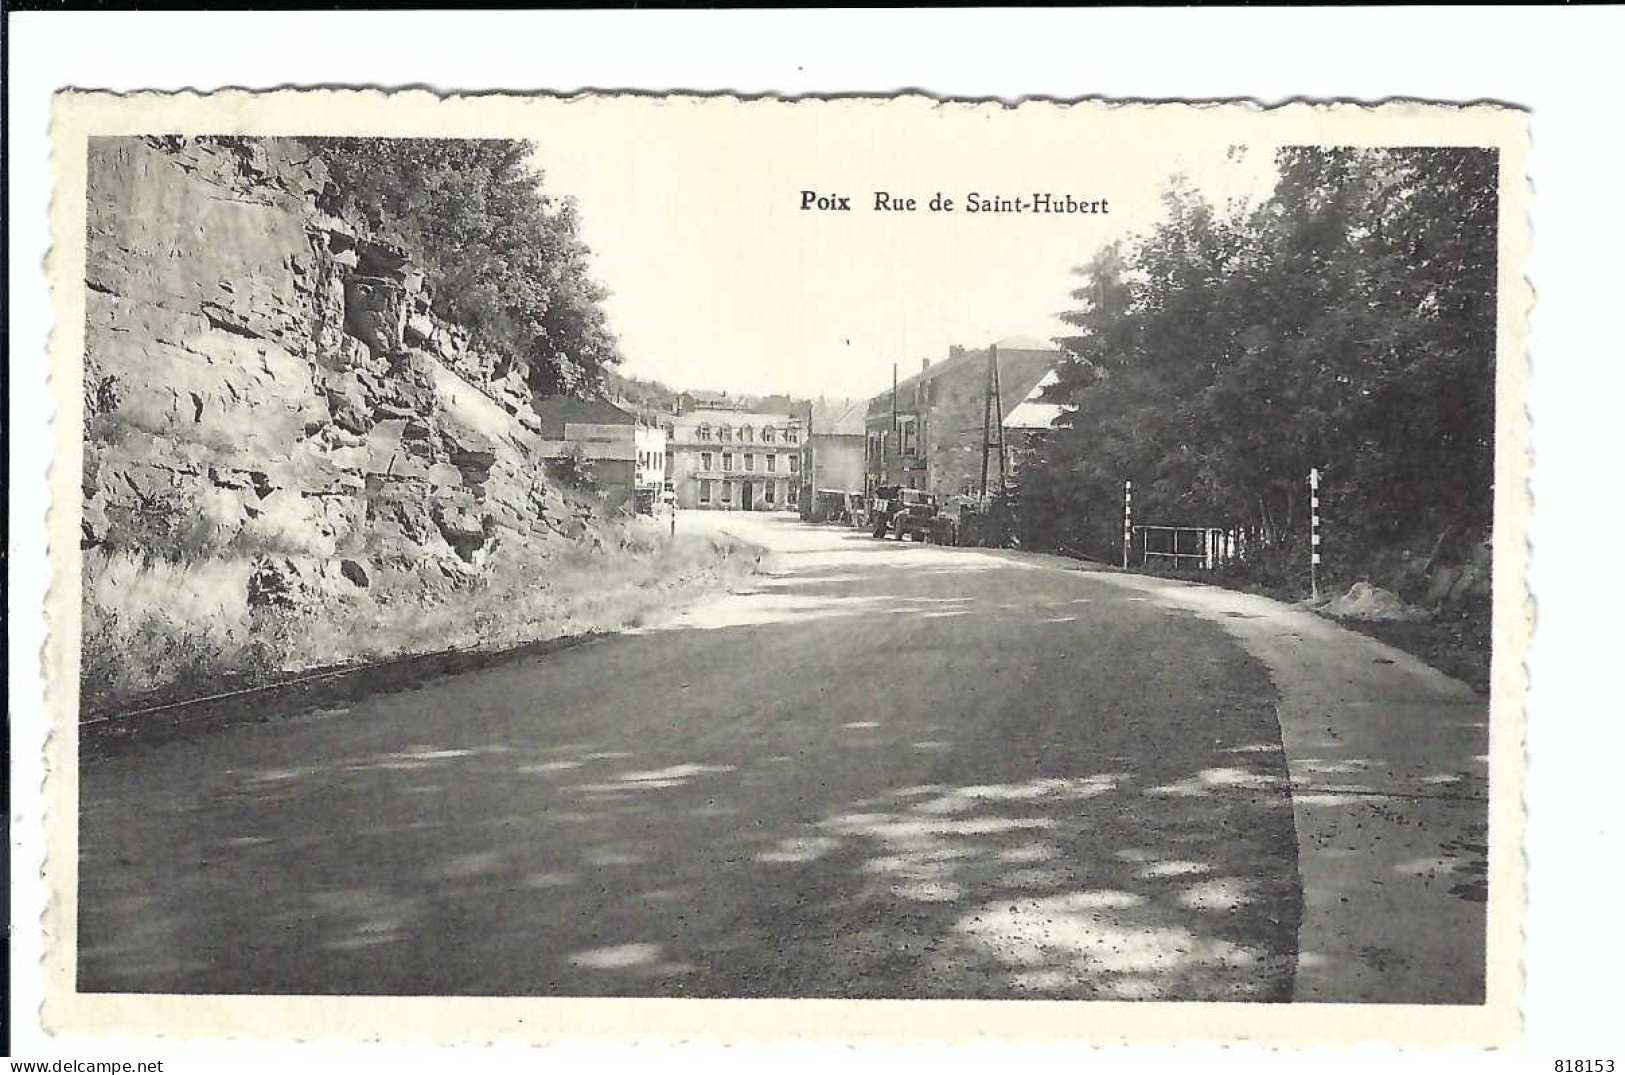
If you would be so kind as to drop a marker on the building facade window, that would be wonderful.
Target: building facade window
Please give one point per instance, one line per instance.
(744, 434)
(767, 492)
(705, 490)
(727, 491)
(772, 463)
(790, 495)
(795, 462)
(704, 431)
(727, 464)
(750, 460)
(705, 460)
(767, 434)
(725, 433)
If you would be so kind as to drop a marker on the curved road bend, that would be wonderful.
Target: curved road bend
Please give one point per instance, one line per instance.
(881, 771)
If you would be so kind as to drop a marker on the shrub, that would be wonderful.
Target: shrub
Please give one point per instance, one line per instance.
(573, 470)
(164, 525)
(155, 627)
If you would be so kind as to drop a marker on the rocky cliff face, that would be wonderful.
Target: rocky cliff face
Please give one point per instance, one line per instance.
(262, 380)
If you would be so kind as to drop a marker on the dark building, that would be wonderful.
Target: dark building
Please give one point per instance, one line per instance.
(930, 436)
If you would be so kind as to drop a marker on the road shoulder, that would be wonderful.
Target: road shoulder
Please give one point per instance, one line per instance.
(1388, 761)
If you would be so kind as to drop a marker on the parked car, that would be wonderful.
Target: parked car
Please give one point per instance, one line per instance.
(904, 513)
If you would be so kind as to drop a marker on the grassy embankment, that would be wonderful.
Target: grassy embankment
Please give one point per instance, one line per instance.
(157, 630)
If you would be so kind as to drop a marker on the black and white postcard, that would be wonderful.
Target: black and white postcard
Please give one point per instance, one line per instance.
(533, 566)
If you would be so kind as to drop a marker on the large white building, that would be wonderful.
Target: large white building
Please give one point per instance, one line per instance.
(722, 459)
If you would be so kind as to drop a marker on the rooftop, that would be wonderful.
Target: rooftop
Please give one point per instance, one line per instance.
(959, 359)
(839, 416)
(1034, 412)
(728, 416)
(557, 410)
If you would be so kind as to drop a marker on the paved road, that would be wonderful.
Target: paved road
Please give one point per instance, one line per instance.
(883, 770)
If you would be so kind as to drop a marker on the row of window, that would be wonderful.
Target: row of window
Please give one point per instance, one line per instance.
(907, 440)
(705, 431)
(793, 462)
(768, 492)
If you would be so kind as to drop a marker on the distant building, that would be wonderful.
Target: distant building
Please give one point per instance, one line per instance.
(930, 435)
(1031, 422)
(723, 459)
(650, 442)
(832, 459)
(711, 401)
(605, 433)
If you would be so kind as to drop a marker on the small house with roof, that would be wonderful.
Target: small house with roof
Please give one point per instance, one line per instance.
(606, 434)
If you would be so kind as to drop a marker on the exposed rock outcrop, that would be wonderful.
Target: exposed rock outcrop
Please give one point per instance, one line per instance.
(263, 378)
(1364, 601)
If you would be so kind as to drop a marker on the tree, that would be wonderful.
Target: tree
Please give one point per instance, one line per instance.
(505, 258)
(1345, 323)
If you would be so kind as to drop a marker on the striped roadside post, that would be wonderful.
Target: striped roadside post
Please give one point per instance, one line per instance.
(1128, 519)
(1314, 533)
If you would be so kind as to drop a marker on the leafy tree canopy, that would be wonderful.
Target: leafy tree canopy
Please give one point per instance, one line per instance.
(1346, 323)
(505, 258)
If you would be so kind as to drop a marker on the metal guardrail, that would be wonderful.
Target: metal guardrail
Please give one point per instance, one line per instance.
(1212, 541)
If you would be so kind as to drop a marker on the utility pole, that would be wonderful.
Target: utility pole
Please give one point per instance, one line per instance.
(809, 484)
(993, 422)
(885, 468)
(998, 420)
(987, 412)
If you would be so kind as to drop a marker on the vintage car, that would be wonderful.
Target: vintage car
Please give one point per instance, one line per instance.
(904, 513)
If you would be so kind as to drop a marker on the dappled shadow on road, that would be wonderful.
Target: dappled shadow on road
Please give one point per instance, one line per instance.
(985, 819)
(487, 847)
(1093, 887)
(1096, 887)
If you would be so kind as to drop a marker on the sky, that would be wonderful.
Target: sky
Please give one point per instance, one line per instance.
(721, 280)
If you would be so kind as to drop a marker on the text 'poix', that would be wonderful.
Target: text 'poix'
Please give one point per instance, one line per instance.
(974, 202)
